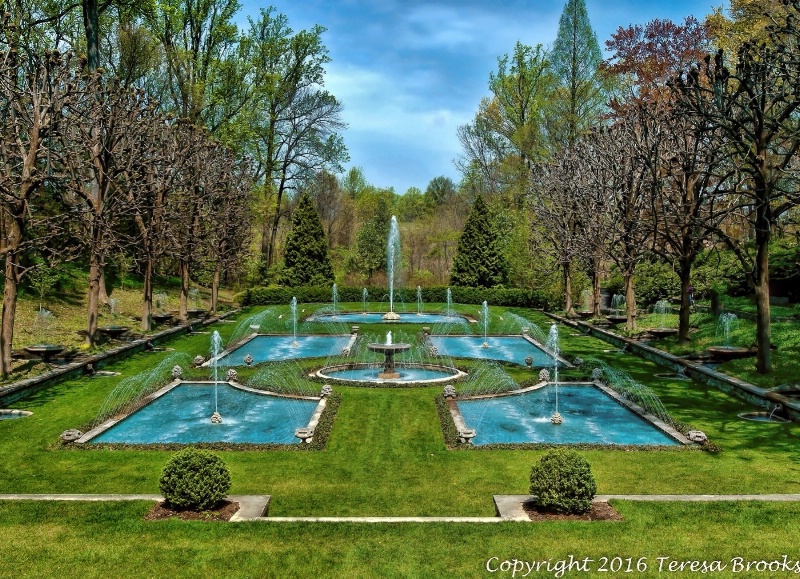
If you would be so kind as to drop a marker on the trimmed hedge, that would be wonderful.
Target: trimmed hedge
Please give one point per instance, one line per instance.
(195, 479)
(562, 480)
(509, 297)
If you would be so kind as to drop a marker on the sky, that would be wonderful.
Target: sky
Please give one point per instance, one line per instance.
(410, 72)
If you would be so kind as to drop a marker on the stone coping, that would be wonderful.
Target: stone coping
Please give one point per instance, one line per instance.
(458, 419)
(105, 425)
(11, 392)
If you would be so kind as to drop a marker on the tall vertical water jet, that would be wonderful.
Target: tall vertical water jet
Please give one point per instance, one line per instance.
(485, 320)
(419, 300)
(364, 295)
(216, 348)
(552, 346)
(293, 308)
(449, 303)
(334, 298)
(392, 265)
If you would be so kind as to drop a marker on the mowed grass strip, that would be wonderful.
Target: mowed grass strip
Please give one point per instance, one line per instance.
(113, 539)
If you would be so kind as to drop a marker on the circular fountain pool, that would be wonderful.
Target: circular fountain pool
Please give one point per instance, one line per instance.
(422, 374)
(763, 417)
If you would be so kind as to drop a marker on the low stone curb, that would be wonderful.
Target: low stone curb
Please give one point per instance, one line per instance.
(251, 507)
(508, 507)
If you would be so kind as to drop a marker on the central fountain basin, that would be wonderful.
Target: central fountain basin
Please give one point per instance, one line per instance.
(406, 373)
(179, 413)
(590, 416)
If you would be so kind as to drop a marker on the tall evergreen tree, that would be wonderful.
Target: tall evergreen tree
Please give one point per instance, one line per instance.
(306, 260)
(369, 252)
(575, 61)
(478, 261)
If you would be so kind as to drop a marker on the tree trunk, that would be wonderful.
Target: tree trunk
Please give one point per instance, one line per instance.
(569, 309)
(91, 25)
(273, 235)
(763, 355)
(630, 302)
(716, 303)
(265, 240)
(147, 296)
(596, 299)
(184, 290)
(215, 290)
(683, 317)
(9, 312)
(94, 301)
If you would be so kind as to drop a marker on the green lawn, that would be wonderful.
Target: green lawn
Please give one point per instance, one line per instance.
(386, 456)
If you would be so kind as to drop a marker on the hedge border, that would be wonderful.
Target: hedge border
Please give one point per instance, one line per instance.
(508, 297)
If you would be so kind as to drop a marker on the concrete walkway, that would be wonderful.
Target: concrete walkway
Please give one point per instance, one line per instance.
(511, 507)
(508, 507)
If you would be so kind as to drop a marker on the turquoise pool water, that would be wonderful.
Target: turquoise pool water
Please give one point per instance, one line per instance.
(183, 415)
(503, 348)
(377, 318)
(590, 416)
(274, 348)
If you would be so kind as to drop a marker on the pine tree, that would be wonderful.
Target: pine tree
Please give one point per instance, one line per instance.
(575, 60)
(306, 260)
(478, 261)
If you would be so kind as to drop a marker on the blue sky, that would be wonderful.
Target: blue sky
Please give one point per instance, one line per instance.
(409, 72)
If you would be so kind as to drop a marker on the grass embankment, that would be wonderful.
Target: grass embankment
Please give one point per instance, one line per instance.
(386, 456)
(706, 331)
(65, 325)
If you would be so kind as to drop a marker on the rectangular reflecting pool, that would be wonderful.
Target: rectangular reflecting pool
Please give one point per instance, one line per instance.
(183, 415)
(503, 348)
(590, 416)
(276, 348)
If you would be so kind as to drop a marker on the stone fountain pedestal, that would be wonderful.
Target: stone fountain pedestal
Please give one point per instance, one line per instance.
(389, 350)
(391, 317)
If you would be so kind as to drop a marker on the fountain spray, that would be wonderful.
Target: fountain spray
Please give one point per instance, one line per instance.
(485, 319)
(392, 259)
(216, 348)
(449, 302)
(293, 308)
(552, 347)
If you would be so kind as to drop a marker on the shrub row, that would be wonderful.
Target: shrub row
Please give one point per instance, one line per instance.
(509, 297)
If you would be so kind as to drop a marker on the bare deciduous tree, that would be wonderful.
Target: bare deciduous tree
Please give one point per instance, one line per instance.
(36, 92)
(756, 108)
(107, 126)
